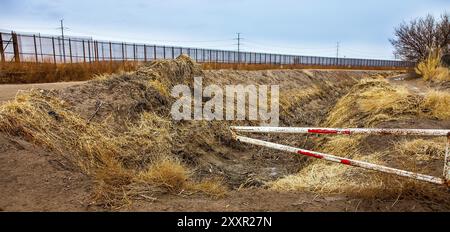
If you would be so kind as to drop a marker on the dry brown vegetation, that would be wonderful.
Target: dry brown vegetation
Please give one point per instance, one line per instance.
(368, 104)
(117, 130)
(133, 163)
(431, 69)
(28, 72)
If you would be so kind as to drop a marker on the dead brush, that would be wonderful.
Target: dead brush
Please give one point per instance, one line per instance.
(370, 102)
(30, 72)
(139, 159)
(436, 104)
(431, 69)
(367, 104)
(132, 163)
(325, 177)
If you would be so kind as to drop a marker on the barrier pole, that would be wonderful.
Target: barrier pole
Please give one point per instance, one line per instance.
(447, 161)
(343, 131)
(332, 158)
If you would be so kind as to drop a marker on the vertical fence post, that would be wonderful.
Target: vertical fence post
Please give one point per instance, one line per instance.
(145, 53)
(89, 50)
(110, 52)
(134, 52)
(63, 48)
(173, 52)
(123, 52)
(154, 52)
(15, 47)
(103, 50)
(70, 51)
(94, 49)
(196, 56)
(35, 49)
(164, 52)
(54, 51)
(97, 51)
(40, 47)
(2, 52)
(84, 51)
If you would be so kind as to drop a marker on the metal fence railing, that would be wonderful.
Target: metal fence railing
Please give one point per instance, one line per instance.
(16, 47)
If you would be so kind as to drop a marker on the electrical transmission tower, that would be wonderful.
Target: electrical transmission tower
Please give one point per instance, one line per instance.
(337, 49)
(62, 39)
(239, 38)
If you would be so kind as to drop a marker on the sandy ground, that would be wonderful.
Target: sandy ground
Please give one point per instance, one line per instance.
(8, 91)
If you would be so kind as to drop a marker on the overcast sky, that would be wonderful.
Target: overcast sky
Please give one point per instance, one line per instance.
(284, 26)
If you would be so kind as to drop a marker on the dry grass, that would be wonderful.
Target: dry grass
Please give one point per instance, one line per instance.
(423, 156)
(133, 163)
(431, 70)
(419, 150)
(326, 177)
(371, 102)
(436, 104)
(367, 104)
(13, 73)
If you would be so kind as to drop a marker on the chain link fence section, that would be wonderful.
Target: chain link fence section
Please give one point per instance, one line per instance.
(37, 48)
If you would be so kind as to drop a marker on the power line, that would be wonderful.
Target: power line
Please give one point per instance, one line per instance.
(295, 48)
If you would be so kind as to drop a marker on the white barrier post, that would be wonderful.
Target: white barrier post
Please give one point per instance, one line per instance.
(447, 162)
(342, 131)
(341, 160)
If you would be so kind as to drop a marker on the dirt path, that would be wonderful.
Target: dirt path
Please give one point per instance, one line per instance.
(412, 82)
(8, 91)
(33, 179)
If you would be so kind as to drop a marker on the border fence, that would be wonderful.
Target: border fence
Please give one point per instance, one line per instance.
(22, 47)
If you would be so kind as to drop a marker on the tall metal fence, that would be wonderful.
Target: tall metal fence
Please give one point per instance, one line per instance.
(16, 47)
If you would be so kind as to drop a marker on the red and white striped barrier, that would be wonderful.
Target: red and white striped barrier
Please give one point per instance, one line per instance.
(342, 131)
(356, 163)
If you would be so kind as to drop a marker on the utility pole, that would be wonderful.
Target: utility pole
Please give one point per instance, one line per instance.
(337, 50)
(62, 39)
(62, 28)
(239, 46)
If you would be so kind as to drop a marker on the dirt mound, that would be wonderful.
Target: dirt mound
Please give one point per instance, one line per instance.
(118, 99)
(128, 146)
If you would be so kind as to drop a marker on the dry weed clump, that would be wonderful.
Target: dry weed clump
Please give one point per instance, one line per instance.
(423, 156)
(431, 70)
(370, 102)
(327, 177)
(373, 101)
(436, 104)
